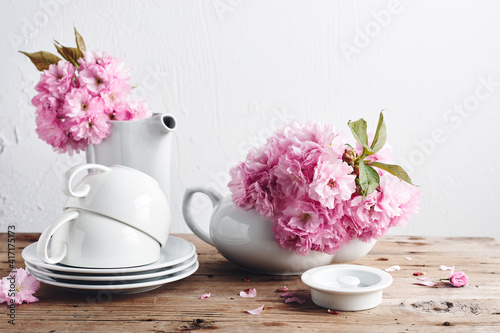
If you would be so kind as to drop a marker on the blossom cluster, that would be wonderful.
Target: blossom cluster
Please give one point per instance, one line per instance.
(301, 178)
(75, 104)
(18, 287)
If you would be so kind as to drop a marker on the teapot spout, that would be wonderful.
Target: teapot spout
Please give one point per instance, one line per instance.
(167, 122)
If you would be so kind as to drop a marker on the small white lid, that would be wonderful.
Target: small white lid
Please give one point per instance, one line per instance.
(346, 287)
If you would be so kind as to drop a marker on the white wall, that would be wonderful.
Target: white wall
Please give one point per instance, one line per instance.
(233, 70)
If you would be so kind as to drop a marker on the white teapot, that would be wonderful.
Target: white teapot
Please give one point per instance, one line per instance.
(245, 238)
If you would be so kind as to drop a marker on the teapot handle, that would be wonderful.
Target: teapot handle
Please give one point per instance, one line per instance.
(214, 196)
(83, 190)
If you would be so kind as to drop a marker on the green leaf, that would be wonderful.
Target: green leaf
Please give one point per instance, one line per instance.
(380, 135)
(71, 54)
(395, 170)
(369, 179)
(367, 151)
(358, 129)
(42, 60)
(80, 44)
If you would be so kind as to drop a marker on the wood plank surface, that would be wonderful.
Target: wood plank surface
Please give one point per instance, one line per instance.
(177, 306)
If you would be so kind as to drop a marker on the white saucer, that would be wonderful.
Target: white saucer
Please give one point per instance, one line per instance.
(126, 288)
(176, 251)
(110, 278)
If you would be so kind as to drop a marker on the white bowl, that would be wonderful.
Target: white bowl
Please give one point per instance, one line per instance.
(86, 239)
(346, 287)
(121, 193)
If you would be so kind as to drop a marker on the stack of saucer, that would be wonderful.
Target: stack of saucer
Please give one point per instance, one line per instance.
(178, 260)
(113, 236)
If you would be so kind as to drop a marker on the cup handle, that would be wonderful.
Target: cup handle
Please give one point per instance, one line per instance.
(58, 252)
(70, 175)
(214, 197)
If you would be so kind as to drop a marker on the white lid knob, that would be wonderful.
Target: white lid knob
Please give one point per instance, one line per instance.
(348, 281)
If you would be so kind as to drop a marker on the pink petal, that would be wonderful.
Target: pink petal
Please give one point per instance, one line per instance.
(445, 268)
(424, 281)
(248, 292)
(409, 258)
(393, 268)
(30, 299)
(294, 299)
(418, 273)
(286, 295)
(333, 311)
(256, 311)
(282, 289)
(207, 295)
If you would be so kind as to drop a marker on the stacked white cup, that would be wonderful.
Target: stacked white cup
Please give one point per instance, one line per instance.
(114, 217)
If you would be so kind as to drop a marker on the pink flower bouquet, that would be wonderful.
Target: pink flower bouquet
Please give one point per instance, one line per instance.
(321, 192)
(78, 96)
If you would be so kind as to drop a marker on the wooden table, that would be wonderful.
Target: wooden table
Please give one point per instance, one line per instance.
(177, 306)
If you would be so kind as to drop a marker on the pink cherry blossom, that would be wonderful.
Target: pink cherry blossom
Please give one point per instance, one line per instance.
(95, 79)
(207, 295)
(92, 127)
(139, 109)
(333, 182)
(79, 103)
(290, 177)
(457, 279)
(25, 285)
(330, 238)
(238, 186)
(365, 219)
(299, 179)
(58, 79)
(117, 94)
(74, 106)
(113, 66)
(261, 196)
(305, 215)
(51, 128)
(292, 239)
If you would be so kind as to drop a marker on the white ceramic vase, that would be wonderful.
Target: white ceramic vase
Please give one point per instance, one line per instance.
(144, 145)
(245, 238)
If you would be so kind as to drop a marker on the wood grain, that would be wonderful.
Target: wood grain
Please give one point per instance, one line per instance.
(177, 306)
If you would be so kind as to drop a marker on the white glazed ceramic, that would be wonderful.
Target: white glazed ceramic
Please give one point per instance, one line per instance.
(115, 277)
(176, 251)
(122, 193)
(245, 238)
(120, 287)
(145, 145)
(86, 239)
(346, 287)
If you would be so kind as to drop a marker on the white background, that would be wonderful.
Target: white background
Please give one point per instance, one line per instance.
(231, 71)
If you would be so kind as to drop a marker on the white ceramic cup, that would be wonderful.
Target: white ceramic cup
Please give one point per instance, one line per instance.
(121, 193)
(85, 239)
